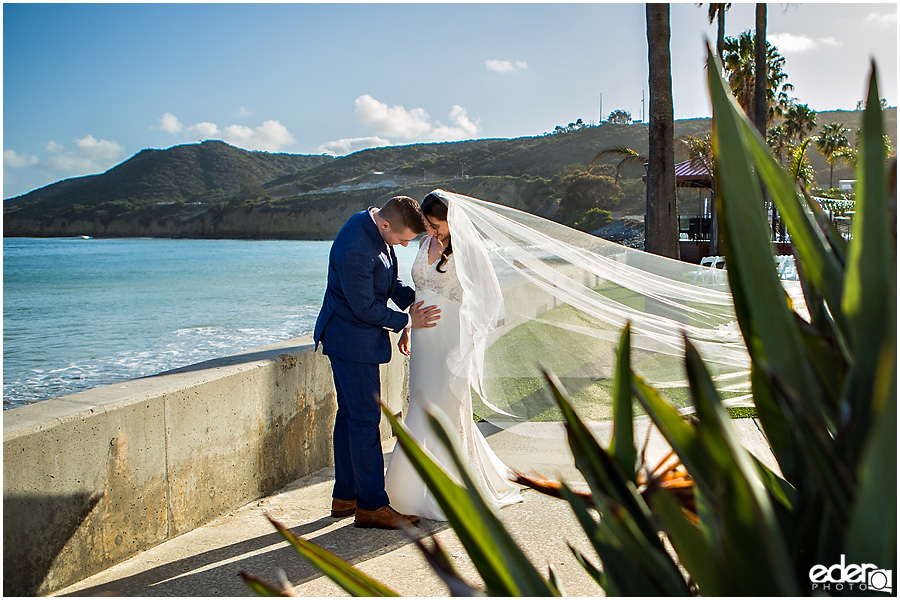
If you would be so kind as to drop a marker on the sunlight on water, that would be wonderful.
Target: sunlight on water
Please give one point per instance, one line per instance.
(79, 314)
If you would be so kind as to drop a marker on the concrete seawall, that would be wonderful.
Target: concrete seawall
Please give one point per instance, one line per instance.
(93, 478)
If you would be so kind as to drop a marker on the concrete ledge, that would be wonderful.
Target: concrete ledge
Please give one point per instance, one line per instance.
(93, 478)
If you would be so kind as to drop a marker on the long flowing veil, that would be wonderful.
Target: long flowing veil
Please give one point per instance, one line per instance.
(537, 294)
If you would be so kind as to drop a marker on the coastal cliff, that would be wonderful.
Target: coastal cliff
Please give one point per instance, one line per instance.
(318, 217)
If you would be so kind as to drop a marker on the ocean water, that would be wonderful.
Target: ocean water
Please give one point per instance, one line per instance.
(78, 314)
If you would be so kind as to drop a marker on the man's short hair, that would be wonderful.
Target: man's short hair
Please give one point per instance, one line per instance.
(403, 212)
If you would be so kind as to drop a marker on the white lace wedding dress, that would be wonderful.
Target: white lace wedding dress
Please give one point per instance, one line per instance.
(433, 386)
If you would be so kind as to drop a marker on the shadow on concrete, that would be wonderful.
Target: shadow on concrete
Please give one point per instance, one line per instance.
(51, 519)
(215, 572)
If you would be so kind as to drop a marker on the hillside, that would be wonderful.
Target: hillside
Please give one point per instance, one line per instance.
(206, 172)
(215, 190)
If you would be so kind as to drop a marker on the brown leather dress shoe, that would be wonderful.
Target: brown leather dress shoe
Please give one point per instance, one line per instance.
(383, 518)
(342, 508)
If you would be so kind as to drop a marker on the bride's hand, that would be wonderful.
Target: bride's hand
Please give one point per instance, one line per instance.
(403, 344)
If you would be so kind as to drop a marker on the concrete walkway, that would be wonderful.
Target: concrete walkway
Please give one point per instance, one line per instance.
(206, 561)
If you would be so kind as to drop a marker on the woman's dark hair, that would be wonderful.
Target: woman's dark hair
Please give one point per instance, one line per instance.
(433, 206)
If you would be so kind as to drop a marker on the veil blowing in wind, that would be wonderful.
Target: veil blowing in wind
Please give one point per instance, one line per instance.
(537, 294)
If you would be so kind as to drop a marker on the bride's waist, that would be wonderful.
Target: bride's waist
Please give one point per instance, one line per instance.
(433, 296)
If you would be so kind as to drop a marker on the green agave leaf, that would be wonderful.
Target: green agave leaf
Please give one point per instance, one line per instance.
(622, 444)
(682, 436)
(700, 559)
(780, 490)
(818, 449)
(555, 581)
(443, 566)
(261, 587)
(589, 567)
(592, 529)
(828, 363)
(821, 266)
(870, 293)
(772, 338)
(872, 536)
(632, 564)
(500, 562)
(781, 436)
(599, 469)
(868, 266)
(354, 581)
(749, 525)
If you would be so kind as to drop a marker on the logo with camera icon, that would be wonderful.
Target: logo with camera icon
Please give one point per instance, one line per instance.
(844, 577)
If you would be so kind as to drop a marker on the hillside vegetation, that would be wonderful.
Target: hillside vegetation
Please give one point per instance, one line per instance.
(215, 190)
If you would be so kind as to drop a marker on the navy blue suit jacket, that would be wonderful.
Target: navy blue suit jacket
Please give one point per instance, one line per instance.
(362, 274)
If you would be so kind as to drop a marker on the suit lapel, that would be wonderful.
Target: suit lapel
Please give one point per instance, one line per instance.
(378, 244)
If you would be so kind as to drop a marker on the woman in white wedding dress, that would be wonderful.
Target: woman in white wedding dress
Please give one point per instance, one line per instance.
(444, 365)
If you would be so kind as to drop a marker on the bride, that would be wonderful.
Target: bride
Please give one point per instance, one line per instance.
(564, 299)
(445, 360)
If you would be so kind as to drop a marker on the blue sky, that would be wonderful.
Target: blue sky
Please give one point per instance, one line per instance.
(86, 86)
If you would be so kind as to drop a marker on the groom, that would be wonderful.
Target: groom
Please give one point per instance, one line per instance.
(353, 328)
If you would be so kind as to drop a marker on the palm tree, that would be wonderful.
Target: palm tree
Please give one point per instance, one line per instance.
(778, 141)
(760, 114)
(799, 120)
(831, 139)
(630, 156)
(799, 166)
(662, 215)
(739, 64)
(847, 156)
(717, 13)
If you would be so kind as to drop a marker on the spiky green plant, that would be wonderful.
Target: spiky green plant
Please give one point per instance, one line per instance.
(825, 391)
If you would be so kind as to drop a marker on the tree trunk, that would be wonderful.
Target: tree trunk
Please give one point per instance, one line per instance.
(760, 86)
(720, 33)
(662, 216)
(760, 72)
(714, 213)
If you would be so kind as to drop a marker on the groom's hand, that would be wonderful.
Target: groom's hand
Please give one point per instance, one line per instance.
(403, 343)
(426, 316)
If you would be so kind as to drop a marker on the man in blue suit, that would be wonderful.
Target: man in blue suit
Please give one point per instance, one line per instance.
(353, 328)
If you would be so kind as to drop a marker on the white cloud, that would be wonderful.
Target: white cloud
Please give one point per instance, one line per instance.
(72, 163)
(89, 156)
(99, 150)
(789, 43)
(414, 124)
(271, 136)
(203, 130)
(394, 121)
(505, 66)
(170, 123)
(463, 127)
(13, 159)
(350, 145)
(881, 20)
(243, 112)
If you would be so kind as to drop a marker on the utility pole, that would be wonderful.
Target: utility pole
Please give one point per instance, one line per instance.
(600, 120)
